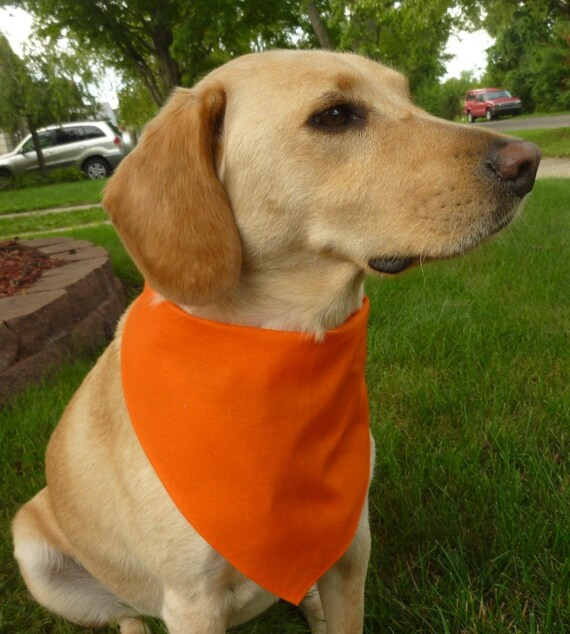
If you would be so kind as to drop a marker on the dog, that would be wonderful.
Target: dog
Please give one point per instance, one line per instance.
(257, 200)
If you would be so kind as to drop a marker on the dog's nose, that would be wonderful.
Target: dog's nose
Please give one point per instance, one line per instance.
(515, 162)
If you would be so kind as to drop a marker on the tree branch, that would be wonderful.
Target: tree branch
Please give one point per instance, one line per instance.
(319, 27)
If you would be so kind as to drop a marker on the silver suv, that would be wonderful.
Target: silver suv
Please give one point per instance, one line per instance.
(96, 147)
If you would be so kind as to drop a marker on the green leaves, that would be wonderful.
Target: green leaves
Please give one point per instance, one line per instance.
(531, 55)
(410, 36)
(155, 46)
(168, 43)
(13, 79)
(44, 87)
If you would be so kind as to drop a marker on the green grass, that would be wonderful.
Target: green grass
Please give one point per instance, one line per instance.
(17, 225)
(24, 431)
(468, 375)
(533, 115)
(551, 141)
(46, 196)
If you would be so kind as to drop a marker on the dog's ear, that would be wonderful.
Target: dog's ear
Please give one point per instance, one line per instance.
(169, 207)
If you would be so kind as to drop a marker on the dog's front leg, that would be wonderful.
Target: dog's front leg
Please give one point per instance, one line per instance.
(193, 614)
(341, 588)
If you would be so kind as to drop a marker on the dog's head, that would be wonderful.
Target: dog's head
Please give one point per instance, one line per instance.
(306, 152)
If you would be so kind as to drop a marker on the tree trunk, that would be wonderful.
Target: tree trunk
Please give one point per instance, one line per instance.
(168, 67)
(319, 27)
(149, 82)
(37, 147)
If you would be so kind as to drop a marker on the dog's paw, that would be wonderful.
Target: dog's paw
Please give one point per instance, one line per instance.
(132, 625)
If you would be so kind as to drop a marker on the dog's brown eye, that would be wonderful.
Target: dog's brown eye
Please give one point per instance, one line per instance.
(336, 117)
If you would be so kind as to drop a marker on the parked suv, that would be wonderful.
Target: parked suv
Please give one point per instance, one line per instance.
(490, 103)
(96, 147)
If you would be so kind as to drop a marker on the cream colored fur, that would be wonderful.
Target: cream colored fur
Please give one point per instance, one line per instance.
(237, 207)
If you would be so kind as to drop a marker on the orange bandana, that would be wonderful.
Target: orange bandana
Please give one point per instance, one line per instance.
(259, 436)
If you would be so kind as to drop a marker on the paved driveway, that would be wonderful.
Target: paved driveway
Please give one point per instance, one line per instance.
(516, 123)
(557, 167)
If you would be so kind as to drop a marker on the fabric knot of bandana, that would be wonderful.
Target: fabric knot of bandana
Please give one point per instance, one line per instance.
(260, 437)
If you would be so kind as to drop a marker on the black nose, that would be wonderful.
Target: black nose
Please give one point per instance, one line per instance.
(516, 163)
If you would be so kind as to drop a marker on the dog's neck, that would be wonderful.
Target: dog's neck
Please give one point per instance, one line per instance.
(311, 299)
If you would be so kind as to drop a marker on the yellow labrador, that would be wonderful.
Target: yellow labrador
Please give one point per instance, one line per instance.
(260, 197)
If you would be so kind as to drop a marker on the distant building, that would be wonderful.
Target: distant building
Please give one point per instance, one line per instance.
(7, 142)
(5, 145)
(107, 113)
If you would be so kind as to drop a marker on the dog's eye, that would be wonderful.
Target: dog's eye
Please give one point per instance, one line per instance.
(337, 117)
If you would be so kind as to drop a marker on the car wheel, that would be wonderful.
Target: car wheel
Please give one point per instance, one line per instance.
(489, 115)
(96, 168)
(470, 117)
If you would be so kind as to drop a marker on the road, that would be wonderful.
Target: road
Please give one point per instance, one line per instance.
(516, 123)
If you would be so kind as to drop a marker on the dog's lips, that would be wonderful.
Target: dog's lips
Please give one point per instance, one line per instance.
(391, 265)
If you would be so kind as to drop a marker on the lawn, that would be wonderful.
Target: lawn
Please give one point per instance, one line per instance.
(18, 225)
(468, 375)
(46, 196)
(551, 141)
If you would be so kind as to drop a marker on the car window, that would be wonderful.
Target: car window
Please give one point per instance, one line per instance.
(69, 135)
(46, 139)
(28, 145)
(497, 94)
(479, 97)
(92, 132)
(470, 96)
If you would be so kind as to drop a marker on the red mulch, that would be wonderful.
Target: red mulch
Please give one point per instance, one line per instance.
(21, 266)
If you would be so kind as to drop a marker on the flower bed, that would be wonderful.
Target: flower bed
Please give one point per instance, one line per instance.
(69, 309)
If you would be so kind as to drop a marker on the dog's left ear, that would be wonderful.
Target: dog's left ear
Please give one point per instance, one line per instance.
(169, 207)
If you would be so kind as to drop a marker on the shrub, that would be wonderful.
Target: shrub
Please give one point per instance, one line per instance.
(60, 175)
(66, 175)
(446, 100)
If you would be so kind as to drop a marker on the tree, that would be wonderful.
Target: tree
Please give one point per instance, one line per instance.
(40, 89)
(157, 45)
(531, 55)
(410, 36)
(135, 105)
(319, 26)
(12, 78)
(446, 99)
(166, 43)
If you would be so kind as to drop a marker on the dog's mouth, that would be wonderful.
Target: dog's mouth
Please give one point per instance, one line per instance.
(391, 265)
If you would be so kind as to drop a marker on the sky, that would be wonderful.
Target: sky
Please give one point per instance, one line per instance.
(467, 49)
(16, 25)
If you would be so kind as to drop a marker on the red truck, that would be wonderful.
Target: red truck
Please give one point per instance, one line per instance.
(490, 103)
